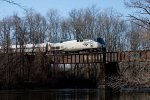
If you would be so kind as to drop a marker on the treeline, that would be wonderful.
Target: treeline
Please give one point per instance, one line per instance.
(118, 32)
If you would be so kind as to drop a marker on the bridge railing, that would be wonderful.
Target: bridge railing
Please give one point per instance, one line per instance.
(90, 57)
(83, 58)
(128, 56)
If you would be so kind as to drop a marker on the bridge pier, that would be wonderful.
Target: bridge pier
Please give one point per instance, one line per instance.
(101, 78)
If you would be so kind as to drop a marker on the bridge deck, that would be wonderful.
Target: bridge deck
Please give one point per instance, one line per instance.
(94, 57)
(101, 57)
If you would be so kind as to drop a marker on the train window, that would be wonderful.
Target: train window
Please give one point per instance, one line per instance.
(81, 40)
(52, 47)
(55, 47)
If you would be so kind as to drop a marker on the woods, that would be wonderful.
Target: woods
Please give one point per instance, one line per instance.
(119, 33)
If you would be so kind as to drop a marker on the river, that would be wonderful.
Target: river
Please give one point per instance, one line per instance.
(70, 94)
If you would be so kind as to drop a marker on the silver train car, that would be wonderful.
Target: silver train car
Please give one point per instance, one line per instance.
(65, 46)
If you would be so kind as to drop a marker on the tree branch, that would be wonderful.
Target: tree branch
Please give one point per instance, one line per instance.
(140, 24)
(14, 3)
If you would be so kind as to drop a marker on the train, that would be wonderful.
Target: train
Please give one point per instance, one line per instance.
(70, 46)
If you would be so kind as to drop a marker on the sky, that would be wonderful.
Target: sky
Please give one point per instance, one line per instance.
(63, 6)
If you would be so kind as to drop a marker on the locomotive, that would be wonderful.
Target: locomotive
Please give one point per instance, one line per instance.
(65, 46)
(79, 45)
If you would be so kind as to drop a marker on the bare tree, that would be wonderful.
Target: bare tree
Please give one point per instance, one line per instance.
(141, 17)
(36, 27)
(83, 22)
(112, 28)
(145, 40)
(54, 28)
(41, 28)
(19, 32)
(76, 22)
(142, 12)
(5, 33)
(90, 20)
(65, 30)
(134, 36)
(91, 23)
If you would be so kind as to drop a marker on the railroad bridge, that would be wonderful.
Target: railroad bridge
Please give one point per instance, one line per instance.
(99, 65)
(95, 66)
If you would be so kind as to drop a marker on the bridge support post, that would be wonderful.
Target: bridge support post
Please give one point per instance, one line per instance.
(101, 79)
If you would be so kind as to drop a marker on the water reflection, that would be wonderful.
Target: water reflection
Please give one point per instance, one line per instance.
(134, 96)
(63, 94)
(126, 96)
(71, 94)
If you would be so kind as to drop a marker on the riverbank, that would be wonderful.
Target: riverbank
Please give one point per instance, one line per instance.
(129, 77)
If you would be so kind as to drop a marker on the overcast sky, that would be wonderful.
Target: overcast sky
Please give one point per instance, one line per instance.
(63, 6)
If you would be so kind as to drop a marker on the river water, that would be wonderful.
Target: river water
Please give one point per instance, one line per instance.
(70, 94)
